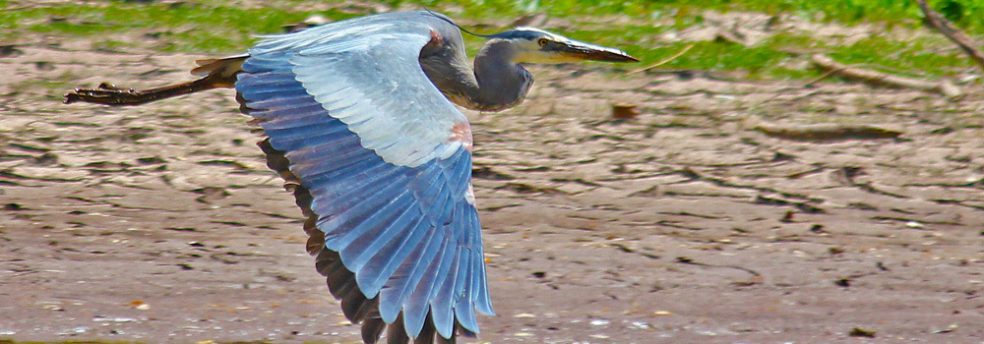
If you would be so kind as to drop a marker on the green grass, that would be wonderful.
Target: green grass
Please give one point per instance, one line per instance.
(919, 56)
(217, 27)
(966, 13)
(713, 55)
(11, 341)
(198, 27)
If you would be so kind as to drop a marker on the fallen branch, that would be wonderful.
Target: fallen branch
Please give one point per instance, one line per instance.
(951, 32)
(664, 61)
(827, 132)
(944, 87)
(532, 19)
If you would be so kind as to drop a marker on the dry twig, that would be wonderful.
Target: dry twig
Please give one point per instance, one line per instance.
(664, 61)
(820, 78)
(951, 32)
(944, 87)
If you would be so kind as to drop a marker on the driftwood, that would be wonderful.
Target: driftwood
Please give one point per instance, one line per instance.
(951, 32)
(828, 64)
(827, 132)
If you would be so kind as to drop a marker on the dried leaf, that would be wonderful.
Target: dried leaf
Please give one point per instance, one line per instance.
(625, 111)
(862, 332)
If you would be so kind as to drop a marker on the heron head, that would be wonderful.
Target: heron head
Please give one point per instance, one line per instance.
(538, 46)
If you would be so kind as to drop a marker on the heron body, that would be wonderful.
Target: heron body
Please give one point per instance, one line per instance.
(360, 123)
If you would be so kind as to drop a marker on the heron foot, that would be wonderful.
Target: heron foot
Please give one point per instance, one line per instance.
(112, 95)
(106, 94)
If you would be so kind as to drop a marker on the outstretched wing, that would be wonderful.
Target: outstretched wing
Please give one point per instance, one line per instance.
(378, 159)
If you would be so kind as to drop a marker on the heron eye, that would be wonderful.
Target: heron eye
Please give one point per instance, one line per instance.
(542, 42)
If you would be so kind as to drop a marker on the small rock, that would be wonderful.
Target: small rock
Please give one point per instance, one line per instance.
(599, 322)
(53, 307)
(914, 225)
(948, 329)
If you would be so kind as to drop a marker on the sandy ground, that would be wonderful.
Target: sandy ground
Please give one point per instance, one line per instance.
(161, 223)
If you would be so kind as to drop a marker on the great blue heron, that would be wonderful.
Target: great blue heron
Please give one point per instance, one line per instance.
(359, 124)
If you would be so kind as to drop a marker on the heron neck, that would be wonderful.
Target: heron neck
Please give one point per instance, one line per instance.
(500, 83)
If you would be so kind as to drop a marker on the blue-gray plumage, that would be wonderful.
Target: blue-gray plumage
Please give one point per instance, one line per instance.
(359, 124)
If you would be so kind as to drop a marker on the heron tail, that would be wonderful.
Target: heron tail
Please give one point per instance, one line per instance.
(227, 67)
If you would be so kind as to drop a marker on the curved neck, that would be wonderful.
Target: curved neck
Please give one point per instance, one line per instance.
(501, 82)
(496, 83)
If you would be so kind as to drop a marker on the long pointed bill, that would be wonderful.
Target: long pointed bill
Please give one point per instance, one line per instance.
(586, 51)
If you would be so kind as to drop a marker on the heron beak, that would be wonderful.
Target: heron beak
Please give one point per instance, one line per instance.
(586, 51)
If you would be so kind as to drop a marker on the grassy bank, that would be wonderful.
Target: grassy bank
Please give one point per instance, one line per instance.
(222, 27)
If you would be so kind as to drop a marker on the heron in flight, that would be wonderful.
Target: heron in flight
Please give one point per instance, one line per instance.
(360, 123)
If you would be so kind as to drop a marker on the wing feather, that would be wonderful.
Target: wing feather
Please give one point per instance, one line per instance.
(352, 118)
